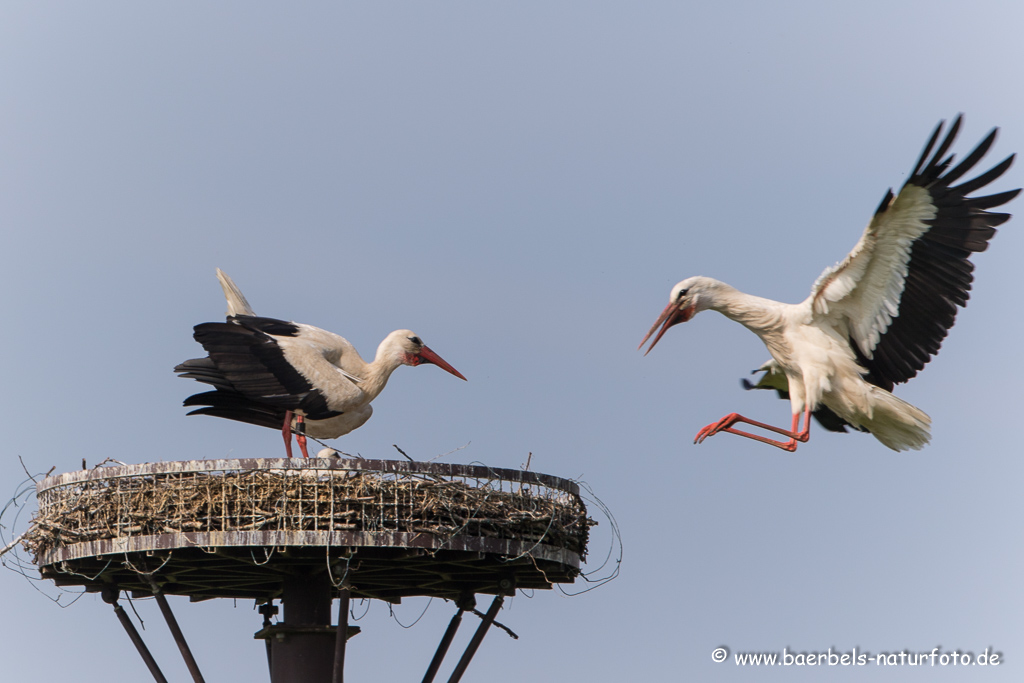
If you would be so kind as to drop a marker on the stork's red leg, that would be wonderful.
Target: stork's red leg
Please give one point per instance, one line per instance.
(300, 436)
(286, 431)
(726, 423)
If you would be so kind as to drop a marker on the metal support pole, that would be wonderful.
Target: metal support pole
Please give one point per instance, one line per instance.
(268, 610)
(478, 637)
(341, 637)
(442, 648)
(172, 623)
(467, 602)
(303, 647)
(110, 597)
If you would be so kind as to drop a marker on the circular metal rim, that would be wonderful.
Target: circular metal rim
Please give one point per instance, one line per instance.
(306, 539)
(352, 465)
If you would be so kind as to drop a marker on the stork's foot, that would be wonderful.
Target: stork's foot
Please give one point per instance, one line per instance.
(727, 422)
(786, 446)
(715, 427)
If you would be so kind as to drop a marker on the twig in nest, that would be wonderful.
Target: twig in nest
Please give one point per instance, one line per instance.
(402, 452)
(13, 543)
(526, 468)
(101, 464)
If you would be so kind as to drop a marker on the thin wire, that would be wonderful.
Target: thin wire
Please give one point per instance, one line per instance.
(395, 616)
(330, 574)
(616, 540)
(450, 452)
(352, 610)
(328, 446)
(12, 559)
(131, 603)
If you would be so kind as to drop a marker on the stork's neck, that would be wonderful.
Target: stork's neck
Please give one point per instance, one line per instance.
(376, 374)
(370, 378)
(757, 314)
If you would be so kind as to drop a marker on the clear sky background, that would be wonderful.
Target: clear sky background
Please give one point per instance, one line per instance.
(521, 184)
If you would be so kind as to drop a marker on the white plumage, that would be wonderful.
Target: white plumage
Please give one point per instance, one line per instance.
(874, 319)
(292, 376)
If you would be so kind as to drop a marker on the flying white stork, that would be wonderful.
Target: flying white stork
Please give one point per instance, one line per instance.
(872, 320)
(291, 376)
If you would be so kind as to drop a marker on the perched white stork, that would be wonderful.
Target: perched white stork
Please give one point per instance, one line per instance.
(290, 376)
(872, 320)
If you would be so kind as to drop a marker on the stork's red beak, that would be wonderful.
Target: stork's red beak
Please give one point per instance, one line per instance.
(672, 315)
(428, 356)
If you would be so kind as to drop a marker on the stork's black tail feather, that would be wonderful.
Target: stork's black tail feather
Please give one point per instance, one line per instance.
(234, 406)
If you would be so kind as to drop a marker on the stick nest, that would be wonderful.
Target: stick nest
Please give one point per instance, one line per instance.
(306, 500)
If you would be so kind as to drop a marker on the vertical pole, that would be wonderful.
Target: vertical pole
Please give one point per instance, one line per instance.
(341, 637)
(110, 597)
(304, 654)
(268, 609)
(172, 624)
(478, 637)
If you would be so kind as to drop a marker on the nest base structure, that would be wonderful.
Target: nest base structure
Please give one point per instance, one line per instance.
(306, 532)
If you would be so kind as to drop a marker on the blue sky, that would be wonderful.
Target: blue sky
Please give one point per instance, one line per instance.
(521, 184)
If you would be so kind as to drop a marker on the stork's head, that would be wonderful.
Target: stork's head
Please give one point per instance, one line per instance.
(412, 351)
(684, 302)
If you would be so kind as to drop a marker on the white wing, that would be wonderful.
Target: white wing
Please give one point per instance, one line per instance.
(896, 294)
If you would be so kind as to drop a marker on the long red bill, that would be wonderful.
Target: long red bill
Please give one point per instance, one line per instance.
(428, 356)
(672, 315)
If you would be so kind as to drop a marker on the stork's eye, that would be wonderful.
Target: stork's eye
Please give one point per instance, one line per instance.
(682, 293)
(416, 341)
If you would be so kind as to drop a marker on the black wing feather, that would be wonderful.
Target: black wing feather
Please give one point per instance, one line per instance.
(254, 382)
(233, 406)
(939, 273)
(931, 143)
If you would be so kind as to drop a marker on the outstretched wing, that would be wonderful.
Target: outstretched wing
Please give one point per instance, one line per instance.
(896, 294)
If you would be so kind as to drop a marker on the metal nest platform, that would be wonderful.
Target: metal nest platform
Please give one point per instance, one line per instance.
(307, 532)
(240, 528)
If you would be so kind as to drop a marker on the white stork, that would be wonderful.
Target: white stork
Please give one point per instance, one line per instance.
(290, 376)
(872, 320)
